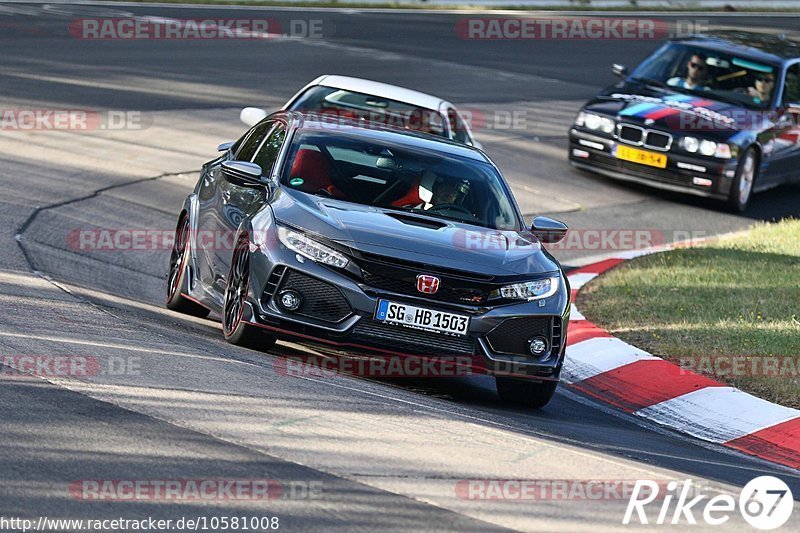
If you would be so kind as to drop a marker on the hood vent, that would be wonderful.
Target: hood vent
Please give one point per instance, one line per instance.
(421, 222)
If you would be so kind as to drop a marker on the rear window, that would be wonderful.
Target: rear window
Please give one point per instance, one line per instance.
(354, 105)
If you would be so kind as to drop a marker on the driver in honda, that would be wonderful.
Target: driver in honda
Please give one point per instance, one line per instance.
(448, 192)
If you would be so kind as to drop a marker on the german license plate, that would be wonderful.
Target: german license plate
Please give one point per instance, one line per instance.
(643, 157)
(421, 318)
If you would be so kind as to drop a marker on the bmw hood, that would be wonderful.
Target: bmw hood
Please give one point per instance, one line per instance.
(435, 242)
(688, 114)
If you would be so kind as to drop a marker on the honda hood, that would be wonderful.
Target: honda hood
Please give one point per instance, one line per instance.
(428, 240)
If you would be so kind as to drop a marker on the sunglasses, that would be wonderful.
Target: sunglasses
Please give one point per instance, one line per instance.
(698, 66)
(765, 79)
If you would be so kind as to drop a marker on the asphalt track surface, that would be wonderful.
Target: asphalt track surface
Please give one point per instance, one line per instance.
(186, 405)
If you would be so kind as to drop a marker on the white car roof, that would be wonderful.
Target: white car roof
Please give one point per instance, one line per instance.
(377, 88)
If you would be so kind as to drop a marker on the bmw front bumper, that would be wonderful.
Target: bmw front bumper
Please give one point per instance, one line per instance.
(693, 175)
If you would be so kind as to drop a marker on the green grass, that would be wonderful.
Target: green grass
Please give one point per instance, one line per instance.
(737, 296)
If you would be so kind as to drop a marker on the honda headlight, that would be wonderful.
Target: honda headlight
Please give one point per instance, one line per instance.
(593, 121)
(308, 247)
(528, 290)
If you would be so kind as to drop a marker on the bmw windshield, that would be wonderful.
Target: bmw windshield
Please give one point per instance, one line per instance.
(711, 74)
(383, 171)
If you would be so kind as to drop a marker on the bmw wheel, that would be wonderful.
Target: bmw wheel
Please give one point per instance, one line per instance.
(526, 392)
(176, 276)
(235, 330)
(742, 186)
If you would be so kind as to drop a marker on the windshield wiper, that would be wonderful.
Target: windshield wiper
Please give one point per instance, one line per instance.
(424, 213)
(731, 100)
(654, 82)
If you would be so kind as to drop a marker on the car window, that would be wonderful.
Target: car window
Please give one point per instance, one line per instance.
(253, 141)
(791, 89)
(270, 148)
(457, 127)
(393, 175)
(711, 74)
(354, 105)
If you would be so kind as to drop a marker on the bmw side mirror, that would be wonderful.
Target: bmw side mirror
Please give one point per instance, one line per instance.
(548, 230)
(224, 147)
(252, 115)
(242, 173)
(619, 70)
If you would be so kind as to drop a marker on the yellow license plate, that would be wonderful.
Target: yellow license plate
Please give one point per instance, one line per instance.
(642, 157)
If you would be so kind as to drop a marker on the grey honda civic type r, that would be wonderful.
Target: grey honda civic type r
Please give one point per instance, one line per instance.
(369, 239)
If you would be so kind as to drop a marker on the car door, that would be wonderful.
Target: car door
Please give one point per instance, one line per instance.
(786, 143)
(213, 238)
(238, 202)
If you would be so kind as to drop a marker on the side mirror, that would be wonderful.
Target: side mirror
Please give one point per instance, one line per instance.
(619, 70)
(242, 173)
(224, 147)
(548, 230)
(252, 115)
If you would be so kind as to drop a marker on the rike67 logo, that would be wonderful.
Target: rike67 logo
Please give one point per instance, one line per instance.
(765, 503)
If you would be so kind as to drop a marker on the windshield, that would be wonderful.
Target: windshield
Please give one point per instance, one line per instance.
(401, 177)
(712, 74)
(348, 104)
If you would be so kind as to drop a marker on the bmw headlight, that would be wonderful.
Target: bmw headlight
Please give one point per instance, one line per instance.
(308, 247)
(595, 122)
(690, 144)
(706, 147)
(528, 290)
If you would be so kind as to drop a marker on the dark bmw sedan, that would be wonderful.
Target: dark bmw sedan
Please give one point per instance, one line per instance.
(715, 115)
(372, 239)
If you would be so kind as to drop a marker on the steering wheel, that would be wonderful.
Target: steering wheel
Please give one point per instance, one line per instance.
(454, 207)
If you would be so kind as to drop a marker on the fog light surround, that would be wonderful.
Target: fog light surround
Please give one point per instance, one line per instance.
(538, 346)
(290, 300)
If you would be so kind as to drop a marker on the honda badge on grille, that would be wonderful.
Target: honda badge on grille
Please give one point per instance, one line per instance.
(427, 284)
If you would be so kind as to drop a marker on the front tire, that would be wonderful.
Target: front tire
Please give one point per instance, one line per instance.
(234, 329)
(525, 392)
(176, 276)
(742, 186)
